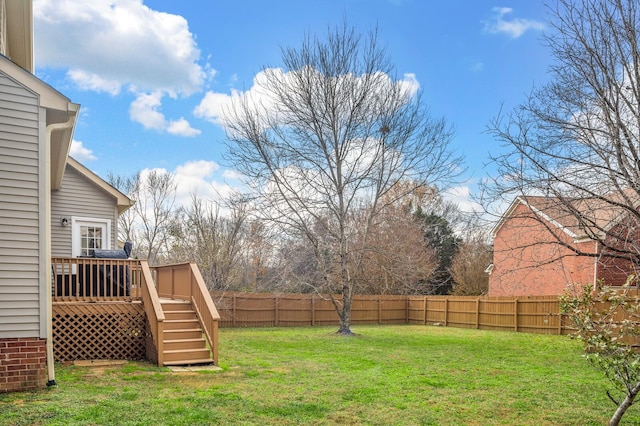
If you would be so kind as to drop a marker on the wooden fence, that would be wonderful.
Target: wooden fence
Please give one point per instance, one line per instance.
(531, 315)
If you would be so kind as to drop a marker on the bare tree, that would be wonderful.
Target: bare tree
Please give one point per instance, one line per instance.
(146, 224)
(127, 219)
(396, 259)
(469, 265)
(576, 140)
(334, 131)
(201, 233)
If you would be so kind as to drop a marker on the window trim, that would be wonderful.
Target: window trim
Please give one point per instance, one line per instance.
(76, 235)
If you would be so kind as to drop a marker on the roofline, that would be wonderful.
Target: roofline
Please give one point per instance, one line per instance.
(124, 202)
(552, 221)
(522, 200)
(503, 218)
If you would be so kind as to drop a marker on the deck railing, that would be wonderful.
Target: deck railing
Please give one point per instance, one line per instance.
(184, 282)
(154, 312)
(77, 279)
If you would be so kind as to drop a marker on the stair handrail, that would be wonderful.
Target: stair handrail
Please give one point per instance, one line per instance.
(205, 309)
(153, 309)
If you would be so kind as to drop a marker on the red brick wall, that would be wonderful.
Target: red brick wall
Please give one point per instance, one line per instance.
(528, 261)
(22, 364)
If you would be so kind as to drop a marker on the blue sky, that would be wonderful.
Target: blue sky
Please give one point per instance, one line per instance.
(150, 75)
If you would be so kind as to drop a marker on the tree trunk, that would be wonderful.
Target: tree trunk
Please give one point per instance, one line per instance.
(624, 405)
(345, 313)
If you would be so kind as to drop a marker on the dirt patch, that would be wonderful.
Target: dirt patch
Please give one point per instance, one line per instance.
(99, 366)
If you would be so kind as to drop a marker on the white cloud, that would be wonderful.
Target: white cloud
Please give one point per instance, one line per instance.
(199, 168)
(111, 45)
(199, 177)
(94, 82)
(193, 177)
(80, 152)
(461, 195)
(214, 106)
(231, 174)
(181, 127)
(120, 41)
(514, 28)
(145, 110)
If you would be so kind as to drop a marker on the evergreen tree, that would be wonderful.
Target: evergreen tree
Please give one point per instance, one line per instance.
(439, 236)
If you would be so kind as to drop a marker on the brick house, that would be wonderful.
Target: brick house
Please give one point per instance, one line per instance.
(541, 248)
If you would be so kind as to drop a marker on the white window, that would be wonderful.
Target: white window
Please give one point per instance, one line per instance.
(88, 234)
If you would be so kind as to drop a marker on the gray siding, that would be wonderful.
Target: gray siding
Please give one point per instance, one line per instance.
(78, 196)
(19, 211)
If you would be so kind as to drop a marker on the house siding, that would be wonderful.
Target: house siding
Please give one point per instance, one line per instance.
(20, 215)
(78, 196)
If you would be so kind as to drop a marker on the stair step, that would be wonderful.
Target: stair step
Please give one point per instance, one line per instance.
(177, 315)
(186, 355)
(176, 306)
(179, 344)
(203, 361)
(181, 324)
(185, 333)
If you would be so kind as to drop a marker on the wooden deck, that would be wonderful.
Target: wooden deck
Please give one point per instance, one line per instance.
(124, 309)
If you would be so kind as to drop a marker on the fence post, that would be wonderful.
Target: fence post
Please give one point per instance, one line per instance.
(477, 313)
(559, 321)
(277, 320)
(406, 313)
(515, 314)
(424, 311)
(379, 310)
(233, 310)
(313, 312)
(446, 311)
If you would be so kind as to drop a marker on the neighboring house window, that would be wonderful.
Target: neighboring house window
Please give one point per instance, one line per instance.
(89, 234)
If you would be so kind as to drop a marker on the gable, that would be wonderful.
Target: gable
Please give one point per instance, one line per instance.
(59, 118)
(78, 196)
(520, 208)
(122, 201)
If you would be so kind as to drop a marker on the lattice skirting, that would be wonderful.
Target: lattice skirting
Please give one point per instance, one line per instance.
(99, 331)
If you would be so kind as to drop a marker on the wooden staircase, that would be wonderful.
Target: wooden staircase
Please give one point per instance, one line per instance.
(183, 342)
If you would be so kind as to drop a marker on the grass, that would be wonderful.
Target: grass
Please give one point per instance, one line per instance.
(387, 375)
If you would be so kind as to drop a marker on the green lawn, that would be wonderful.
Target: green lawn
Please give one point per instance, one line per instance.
(387, 375)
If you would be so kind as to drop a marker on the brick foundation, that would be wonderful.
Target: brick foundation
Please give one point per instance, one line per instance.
(23, 364)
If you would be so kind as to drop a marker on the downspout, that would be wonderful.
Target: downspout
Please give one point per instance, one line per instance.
(49, 320)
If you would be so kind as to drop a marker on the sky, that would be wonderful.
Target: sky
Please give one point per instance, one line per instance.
(152, 75)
